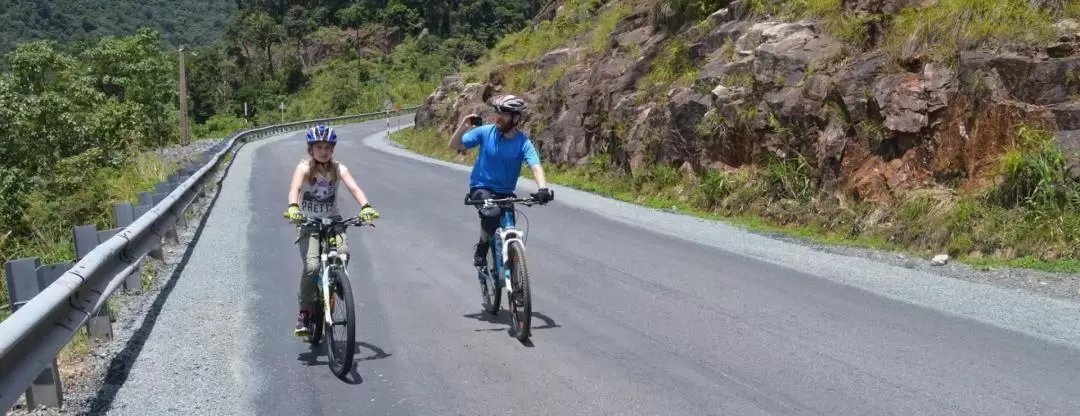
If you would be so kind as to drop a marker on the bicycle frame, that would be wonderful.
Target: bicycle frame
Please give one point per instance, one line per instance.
(503, 236)
(506, 233)
(329, 259)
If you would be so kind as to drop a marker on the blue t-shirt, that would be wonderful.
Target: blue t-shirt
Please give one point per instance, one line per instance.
(498, 163)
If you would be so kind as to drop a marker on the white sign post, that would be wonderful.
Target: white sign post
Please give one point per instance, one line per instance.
(387, 106)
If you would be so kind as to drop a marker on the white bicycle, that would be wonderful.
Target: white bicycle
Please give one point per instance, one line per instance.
(334, 291)
(507, 260)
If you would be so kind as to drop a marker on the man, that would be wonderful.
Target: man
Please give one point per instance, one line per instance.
(498, 163)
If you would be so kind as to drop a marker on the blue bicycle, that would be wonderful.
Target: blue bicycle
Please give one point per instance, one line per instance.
(506, 258)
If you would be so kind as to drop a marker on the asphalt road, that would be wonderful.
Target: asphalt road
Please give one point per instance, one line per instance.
(630, 319)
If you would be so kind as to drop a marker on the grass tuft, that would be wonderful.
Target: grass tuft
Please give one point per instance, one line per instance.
(1034, 228)
(938, 31)
(89, 193)
(949, 26)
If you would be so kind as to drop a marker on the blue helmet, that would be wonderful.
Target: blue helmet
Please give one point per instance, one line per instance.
(321, 133)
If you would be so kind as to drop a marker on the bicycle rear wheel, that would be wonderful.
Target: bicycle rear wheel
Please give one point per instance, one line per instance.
(315, 320)
(521, 300)
(342, 345)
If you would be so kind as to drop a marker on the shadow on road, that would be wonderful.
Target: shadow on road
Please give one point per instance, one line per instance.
(317, 356)
(116, 374)
(503, 318)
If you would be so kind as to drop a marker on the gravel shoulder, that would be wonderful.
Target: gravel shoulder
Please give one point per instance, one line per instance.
(1036, 303)
(88, 378)
(1063, 286)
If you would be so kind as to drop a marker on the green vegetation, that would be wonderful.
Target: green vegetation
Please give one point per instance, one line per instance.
(78, 116)
(938, 31)
(192, 22)
(1029, 220)
(954, 25)
(72, 129)
(672, 67)
(328, 58)
(525, 46)
(76, 125)
(1033, 223)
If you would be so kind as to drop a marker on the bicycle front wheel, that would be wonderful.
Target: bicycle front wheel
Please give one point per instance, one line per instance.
(521, 300)
(341, 336)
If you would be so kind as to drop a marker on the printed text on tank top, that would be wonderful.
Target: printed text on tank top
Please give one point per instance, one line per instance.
(319, 199)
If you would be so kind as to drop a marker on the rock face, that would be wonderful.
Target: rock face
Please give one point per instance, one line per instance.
(366, 42)
(866, 123)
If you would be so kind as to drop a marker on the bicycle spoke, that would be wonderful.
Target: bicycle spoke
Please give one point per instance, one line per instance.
(521, 303)
(343, 343)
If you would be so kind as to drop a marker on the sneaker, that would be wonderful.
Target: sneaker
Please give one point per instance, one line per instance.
(480, 255)
(302, 329)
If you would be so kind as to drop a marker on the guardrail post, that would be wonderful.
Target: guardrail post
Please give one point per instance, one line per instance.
(163, 189)
(99, 325)
(174, 182)
(124, 214)
(104, 331)
(202, 188)
(146, 202)
(170, 230)
(24, 281)
(140, 210)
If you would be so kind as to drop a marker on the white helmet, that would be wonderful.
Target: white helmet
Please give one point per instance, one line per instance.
(509, 104)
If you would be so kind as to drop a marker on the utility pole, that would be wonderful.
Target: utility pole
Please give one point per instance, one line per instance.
(183, 101)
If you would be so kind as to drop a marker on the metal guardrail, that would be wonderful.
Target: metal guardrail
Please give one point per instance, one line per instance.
(42, 325)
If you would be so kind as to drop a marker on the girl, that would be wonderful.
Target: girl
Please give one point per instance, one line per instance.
(313, 193)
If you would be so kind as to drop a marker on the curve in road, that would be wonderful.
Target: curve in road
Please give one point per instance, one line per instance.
(638, 312)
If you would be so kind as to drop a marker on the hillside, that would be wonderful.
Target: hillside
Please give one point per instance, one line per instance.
(103, 106)
(933, 126)
(192, 22)
(326, 58)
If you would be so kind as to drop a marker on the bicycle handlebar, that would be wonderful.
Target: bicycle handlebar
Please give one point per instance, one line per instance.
(500, 201)
(327, 222)
(503, 201)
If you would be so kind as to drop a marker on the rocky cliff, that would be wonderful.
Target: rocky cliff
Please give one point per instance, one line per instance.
(858, 101)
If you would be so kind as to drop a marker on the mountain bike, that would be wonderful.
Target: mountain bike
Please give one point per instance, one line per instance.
(333, 279)
(506, 258)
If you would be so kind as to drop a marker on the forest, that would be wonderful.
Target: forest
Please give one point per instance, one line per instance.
(80, 23)
(83, 103)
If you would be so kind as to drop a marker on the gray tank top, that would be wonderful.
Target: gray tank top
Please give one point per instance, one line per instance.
(319, 199)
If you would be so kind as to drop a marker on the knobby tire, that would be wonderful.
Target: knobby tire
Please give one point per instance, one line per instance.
(315, 320)
(343, 289)
(519, 275)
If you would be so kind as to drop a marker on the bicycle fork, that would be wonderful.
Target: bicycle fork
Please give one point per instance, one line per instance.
(324, 281)
(496, 243)
(324, 285)
(324, 292)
